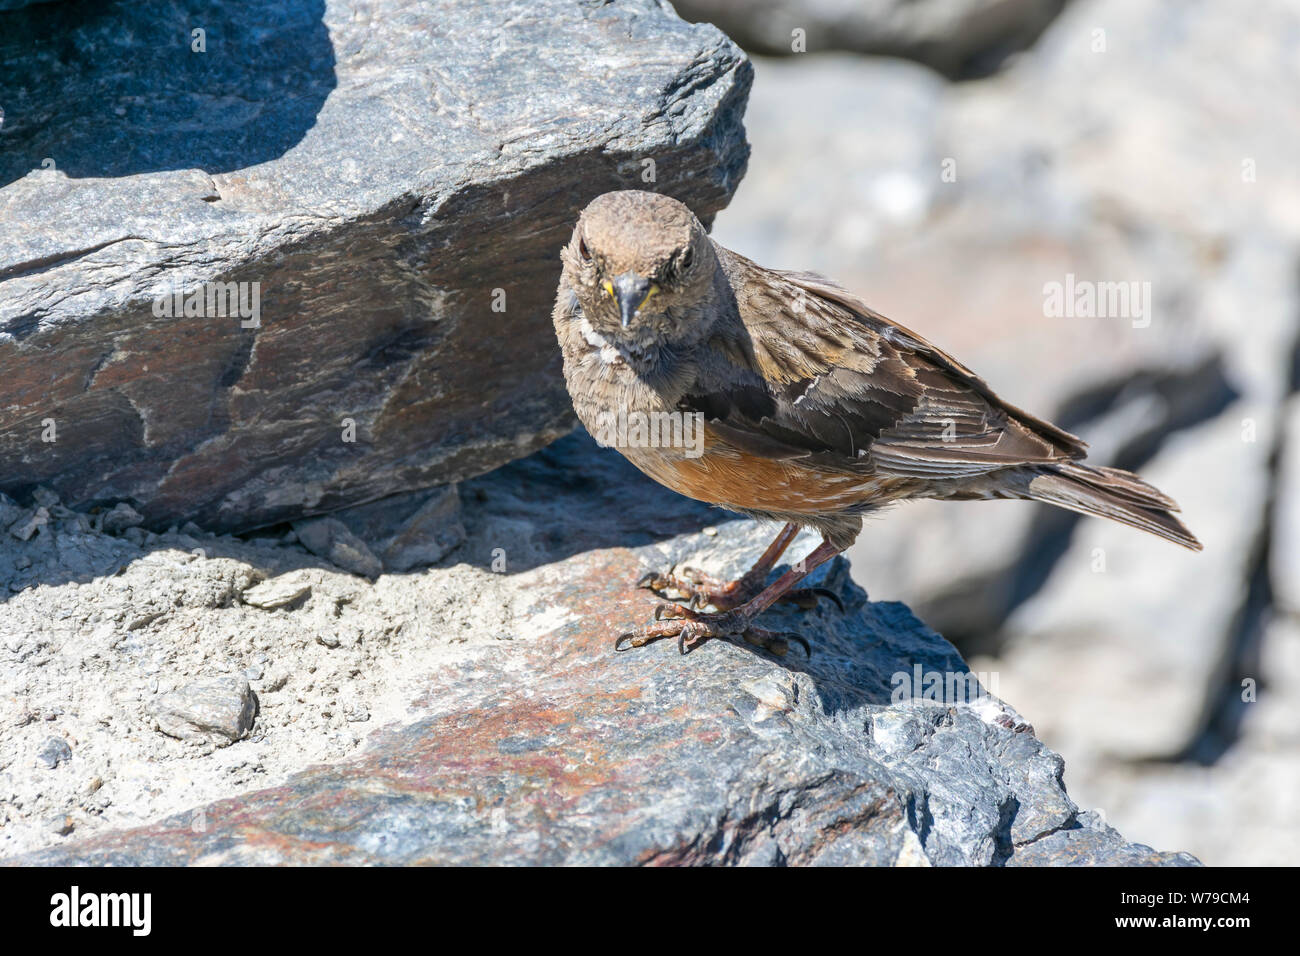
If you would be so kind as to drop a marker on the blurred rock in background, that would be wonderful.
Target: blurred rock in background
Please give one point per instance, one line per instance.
(959, 38)
(1141, 143)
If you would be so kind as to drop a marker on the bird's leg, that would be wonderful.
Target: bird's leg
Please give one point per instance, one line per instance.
(692, 628)
(700, 589)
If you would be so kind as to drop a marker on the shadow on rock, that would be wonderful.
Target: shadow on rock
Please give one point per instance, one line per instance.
(571, 497)
(118, 89)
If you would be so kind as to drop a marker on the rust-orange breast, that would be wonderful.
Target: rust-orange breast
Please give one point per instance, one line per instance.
(725, 475)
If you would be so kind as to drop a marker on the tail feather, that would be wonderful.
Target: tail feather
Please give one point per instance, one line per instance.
(1111, 493)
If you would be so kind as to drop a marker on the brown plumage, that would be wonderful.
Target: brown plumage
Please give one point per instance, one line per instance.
(815, 409)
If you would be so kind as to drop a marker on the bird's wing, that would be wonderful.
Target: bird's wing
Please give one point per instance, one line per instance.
(819, 375)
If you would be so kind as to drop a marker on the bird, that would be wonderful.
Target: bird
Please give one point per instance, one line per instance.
(812, 409)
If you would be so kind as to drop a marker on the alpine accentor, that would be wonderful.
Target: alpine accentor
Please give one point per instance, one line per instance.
(814, 409)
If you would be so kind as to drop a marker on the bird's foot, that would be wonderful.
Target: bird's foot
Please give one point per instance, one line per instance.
(692, 628)
(700, 590)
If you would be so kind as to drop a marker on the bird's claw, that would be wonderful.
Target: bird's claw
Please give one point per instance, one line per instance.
(693, 584)
(654, 581)
(671, 612)
(692, 629)
(830, 596)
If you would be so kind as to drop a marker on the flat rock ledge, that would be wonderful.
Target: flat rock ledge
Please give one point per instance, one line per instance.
(307, 260)
(541, 745)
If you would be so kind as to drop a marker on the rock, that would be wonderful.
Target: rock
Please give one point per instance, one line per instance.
(220, 710)
(1239, 810)
(55, 751)
(10, 511)
(408, 531)
(280, 591)
(122, 517)
(45, 498)
(395, 231)
(26, 526)
(1284, 559)
(551, 748)
(330, 539)
(863, 188)
(959, 38)
(1093, 843)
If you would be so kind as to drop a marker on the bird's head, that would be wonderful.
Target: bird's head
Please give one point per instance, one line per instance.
(640, 265)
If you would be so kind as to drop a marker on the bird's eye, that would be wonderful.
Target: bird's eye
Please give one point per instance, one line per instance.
(583, 250)
(687, 258)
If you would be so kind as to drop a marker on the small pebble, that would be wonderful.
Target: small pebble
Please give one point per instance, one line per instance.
(54, 752)
(24, 528)
(280, 591)
(123, 518)
(216, 711)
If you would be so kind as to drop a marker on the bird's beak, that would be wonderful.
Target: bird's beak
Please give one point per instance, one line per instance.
(630, 292)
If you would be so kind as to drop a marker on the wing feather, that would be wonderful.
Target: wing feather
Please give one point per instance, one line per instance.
(816, 374)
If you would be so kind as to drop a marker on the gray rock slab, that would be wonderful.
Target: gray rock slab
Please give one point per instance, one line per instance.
(381, 187)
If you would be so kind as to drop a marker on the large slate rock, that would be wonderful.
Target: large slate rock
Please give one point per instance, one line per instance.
(390, 174)
(546, 746)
